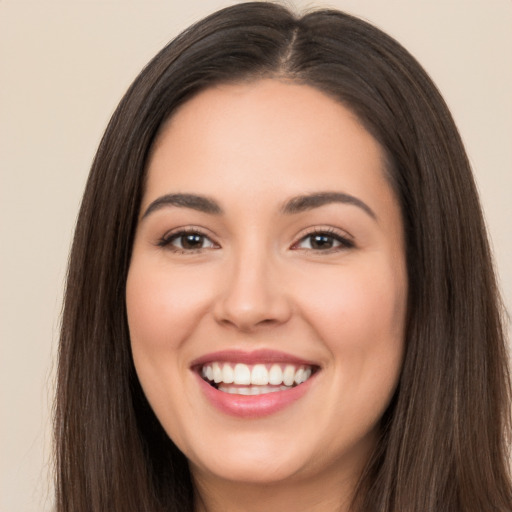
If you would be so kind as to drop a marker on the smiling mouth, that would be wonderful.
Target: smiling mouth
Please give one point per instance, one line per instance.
(256, 379)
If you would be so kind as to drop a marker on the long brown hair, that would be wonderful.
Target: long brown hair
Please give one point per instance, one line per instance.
(444, 437)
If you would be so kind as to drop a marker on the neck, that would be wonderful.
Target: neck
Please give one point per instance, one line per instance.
(320, 494)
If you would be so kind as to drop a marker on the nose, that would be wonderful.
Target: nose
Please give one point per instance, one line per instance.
(253, 295)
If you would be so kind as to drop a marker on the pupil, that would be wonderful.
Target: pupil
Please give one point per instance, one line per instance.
(321, 242)
(191, 241)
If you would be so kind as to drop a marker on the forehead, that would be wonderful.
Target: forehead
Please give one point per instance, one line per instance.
(266, 137)
(266, 106)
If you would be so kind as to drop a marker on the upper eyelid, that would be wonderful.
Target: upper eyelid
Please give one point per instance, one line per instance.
(169, 236)
(329, 230)
(187, 229)
(345, 239)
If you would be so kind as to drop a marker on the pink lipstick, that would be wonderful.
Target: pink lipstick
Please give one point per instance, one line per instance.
(253, 384)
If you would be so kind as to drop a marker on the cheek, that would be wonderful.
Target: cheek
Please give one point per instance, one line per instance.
(360, 316)
(359, 313)
(163, 309)
(360, 299)
(162, 306)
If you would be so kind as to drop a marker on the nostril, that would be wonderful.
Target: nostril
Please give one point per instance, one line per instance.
(248, 326)
(247, 316)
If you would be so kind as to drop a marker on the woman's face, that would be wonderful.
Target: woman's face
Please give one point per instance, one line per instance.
(269, 252)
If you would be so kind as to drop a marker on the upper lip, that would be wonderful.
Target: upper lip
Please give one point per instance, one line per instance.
(251, 357)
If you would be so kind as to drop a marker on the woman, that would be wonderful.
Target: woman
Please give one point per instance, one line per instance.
(280, 293)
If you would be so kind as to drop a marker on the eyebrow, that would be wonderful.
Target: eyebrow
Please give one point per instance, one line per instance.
(308, 202)
(294, 205)
(195, 202)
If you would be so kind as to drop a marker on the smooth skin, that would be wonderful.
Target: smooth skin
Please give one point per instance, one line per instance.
(326, 283)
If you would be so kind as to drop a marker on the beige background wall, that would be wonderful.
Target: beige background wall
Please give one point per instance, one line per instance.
(63, 67)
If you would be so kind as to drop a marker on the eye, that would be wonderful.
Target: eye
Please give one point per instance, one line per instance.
(187, 241)
(323, 241)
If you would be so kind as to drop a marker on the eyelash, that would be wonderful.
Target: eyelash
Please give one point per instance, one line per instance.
(329, 234)
(167, 240)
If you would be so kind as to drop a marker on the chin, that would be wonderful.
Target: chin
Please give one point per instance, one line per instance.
(249, 460)
(251, 471)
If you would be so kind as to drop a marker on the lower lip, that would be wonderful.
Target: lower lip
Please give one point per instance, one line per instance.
(253, 406)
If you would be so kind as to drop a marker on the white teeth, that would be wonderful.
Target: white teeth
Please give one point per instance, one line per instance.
(242, 374)
(275, 375)
(259, 375)
(299, 376)
(264, 378)
(288, 375)
(217, 373)
(253, 390)
(228, 374)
